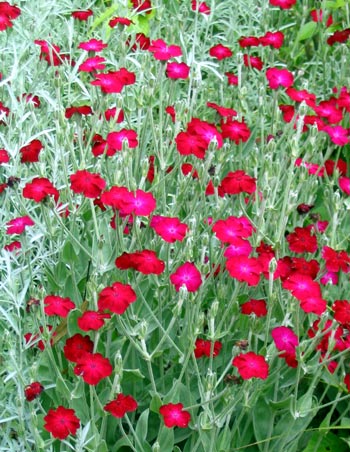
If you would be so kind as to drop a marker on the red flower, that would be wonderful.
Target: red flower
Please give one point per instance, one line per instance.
(220, 52)
(253, 61)
(344, 185)
(302, 241)
(145, 261)
(284, 4)
(4, 156)
(302, 286)
(15, 245)
(76, 346)
(116, 298)
(279, 77)
(237, 182)
(238, 247)
(201, 7)
(92, 64)
(341, 310)
(115, 140)
(161, 51)
(89, 184)
(188, 275)
(257, 307)
(233, 228)
(30, 152)
(7, 13)
(248, 41)
(142, 5)
(121, 405)
(114, 113)
(33, 391)
(114, 81)
(232, 79)
(84, 110)
(223, 111)
(92, 320)
(30, 338)
(300, 96)
(39, 189)
(245, 269)
(273, 39)
(61, 422)
(82, 15)
(251, 365)
(339, 36)
(174, 415)
(93, 367)
(285, 339)
(337, 134)
(207, 348)
(236, 131)
(177, 70)
(93, 45)
(170, 229)
(120, 20)
(55, 305)
(190, 143)
(336, 260)
(18, 225)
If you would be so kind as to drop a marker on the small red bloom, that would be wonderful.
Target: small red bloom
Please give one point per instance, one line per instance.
(39, 189)
(83, 110)
(55, 305)
(121, 405)
(201, 7)
(29, 337)
(220, 52)
(96, 63)
(339, 36)
(207, 348)
(273, 39)
(177, 70)
(285, 339)
(174, 415)
(120, 20)
(114, 81)
(4, 156)
(82, 15)
(115, 114)
(61, 422)
(283, 4)
(142, 5)
(115, 140)
(236, 182)
(116, 298)
(279, 77)
(257, 307)
(344, 185)
(30, 152)
(76, 346)
(92, 320)
(341, 310)
(33, 391)
(302, 241)
(248, 41)
(15, 245)
(236, 131)
(233, 228)
(93, 45)
(336, 260)
(89, 184)
(253, 61)
(232, 79)
(245, 269)
(187, 275)
(163, 52)
(93, 367)
(145, 261)
(190, 143)
(251, 365)
(337, 134)
(170, 229)
(18, 225)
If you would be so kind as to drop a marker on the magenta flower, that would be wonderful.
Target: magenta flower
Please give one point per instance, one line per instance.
(251, 365)
(187, 275)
